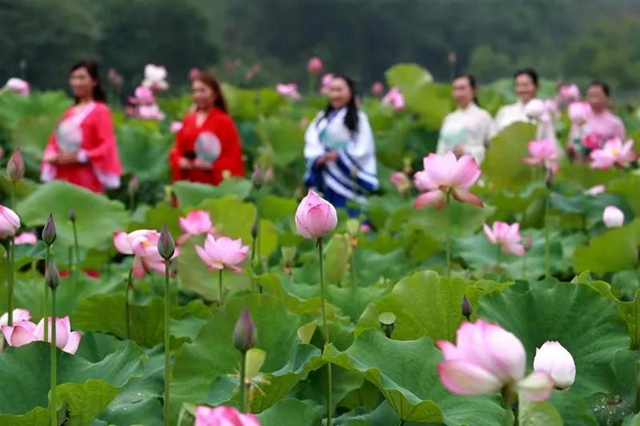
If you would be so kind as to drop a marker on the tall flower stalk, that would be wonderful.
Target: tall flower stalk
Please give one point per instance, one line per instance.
(244, 338)
(52, 280)
(76, 247)
(49, 236)
(11, 223)
(166, 249)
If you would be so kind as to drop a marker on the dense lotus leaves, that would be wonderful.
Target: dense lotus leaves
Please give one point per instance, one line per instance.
(337, 254)
(192, 194)
(142, 152)
(251, 104)
(21, 188)
(586, 176)
(577, 316)
(629, 188)
(30, 386)
(572, 407)
(537, 413)
(284, 137)
(291, 412)
(614, 250)
(405, 373)
(503, 168)
(155, 218)
(97, 217)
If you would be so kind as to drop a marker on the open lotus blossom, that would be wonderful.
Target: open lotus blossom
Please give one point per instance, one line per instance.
(150, 112)
(486, 359)
(543, 153)
(315, 65)
(445, 175)
(196, 222)
(28, 238)
(175, 126)
(9, 222)
(595, 190)
(223, 416)
(551, 108)
(288, 90)
(569, 93)
(552, 358)
(18, 315)
(612, 217)
(25, 332)
(534, 109)
(315, 217)
(18, 86)
(401, 181)
(143, 96)
(614, 152)
(507, 236)
(394, 98)
(143, 244)
(377, 88)
(155, 77)
(222, 253)
(325, 83)
(579, 112)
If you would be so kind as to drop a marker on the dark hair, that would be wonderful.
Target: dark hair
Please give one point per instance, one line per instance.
(527, 71)
(212, 82)
(351, 118)
(604, 86)
(92, 69)
(472, 82)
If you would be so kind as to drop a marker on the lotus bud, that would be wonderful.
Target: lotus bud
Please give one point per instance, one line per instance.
(387, 323)
(466, 308)
(257, 179)
(72, 215)
(166, 244)
(269, 175)
(134, 185)
(612, 217)
(254, 228)
(527, 242)
(52, 276)
(550, 177)
(49, 232)
(245, 333)
(15, 166)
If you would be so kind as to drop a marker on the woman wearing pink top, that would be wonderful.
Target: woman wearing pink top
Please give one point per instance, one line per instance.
(599, 126)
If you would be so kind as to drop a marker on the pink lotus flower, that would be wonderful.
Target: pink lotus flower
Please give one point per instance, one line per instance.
(445, 175)
(25, 332)
(551, 108)
(194, 73)
(326, 83)
(288, 90)
(401, 182)
(175, 127)
(315, 217)
(143, 96)
(18, 86)
(592, 140)
(365, 229)
(534, 109)
(9, 222)
(579, 112)
(543, 153)
(614, 152)
(595, 190)
(197, 222)
(223, 416)
(29, 238)
(552, 358)
(485, 359)
(155, 77)
(507, 236)
(378, 88)
(394, 98)
(612, 217)
(150, 112)
(222, 253)
(143, 244)
(314, 66)
(569, 93)
(18, 316)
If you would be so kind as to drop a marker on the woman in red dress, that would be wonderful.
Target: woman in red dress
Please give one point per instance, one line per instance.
(83, 149)
(207, 147)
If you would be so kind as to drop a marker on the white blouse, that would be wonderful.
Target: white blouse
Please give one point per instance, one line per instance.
(470, 128)
(509, 114)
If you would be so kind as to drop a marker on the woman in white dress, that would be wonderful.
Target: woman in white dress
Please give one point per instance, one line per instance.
(528, 109)
(468, 129)
(339, 148)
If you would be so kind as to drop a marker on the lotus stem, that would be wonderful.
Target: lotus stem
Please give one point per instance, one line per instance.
(10, 280)
(167, 348)
(243, 374)
(46, 294)
(76, 251)
(448, 236)
(126, 302)
(220, 288)
(325, 327)
(547, 243)
(54, 359)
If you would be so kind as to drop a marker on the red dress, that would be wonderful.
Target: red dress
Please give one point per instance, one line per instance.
(215, 141)
(89, 133)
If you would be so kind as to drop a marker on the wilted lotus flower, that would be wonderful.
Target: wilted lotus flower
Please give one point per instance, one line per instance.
(579, 112)
(326, 82)
(534, 109)
(507, 236)
(614, 152)
(155, 77)
(394, 98)
(17, 86)
(569, 93)
(223, 416)
(315, 65)
(315, 217)
(378, 88)
(486, 359)
(552, 358)
(9, 222)
(446, 174)
(612, 217)
(288, 90)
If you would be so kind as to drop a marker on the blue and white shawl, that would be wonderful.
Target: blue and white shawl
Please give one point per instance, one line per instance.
(355, 172)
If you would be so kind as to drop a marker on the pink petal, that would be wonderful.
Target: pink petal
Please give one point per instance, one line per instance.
(121, 241)
(73, 342)
(465, 173)
(489, 233)
(463, 378)
(537, 386)
(435, 198)
(138, 268)
(466, 197)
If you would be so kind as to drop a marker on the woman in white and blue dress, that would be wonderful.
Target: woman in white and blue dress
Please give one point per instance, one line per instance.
(339, 149)
(468, 129)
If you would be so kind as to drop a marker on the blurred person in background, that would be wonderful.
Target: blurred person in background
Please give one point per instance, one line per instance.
(339, 148)
(83, 149)
(207, 148)
(594, 124)
(468, 129)
(527, 109)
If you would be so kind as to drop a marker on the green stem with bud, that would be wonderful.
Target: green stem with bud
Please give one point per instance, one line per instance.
(167, 347)
(547, 243)
(243, 374)
(10, 280)
(54, 359)
(325, 327)
(76, 251)
(220, 288)
(126, 302)
(448, 237)
(46, 294)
